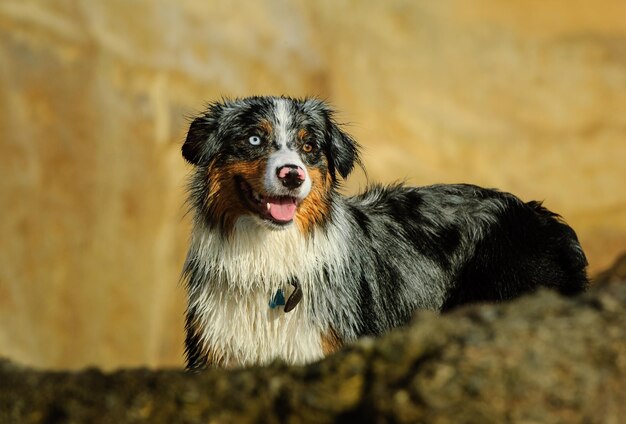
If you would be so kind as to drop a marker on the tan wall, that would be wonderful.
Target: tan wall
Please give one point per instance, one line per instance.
(528, 96)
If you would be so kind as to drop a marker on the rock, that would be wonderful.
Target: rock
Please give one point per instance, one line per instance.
(541, 358)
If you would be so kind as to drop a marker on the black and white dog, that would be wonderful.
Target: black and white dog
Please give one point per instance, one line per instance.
(281, 265)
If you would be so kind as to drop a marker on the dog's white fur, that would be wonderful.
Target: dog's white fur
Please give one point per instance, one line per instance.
(284, 156)
(240, 273)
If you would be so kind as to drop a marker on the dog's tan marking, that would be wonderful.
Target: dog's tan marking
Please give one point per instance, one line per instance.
(316, 206)
(224, 198)
(266, 126)
(331, 342)
(302, 133)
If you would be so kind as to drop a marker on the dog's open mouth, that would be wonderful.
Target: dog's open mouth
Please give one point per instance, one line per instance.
(277, 209)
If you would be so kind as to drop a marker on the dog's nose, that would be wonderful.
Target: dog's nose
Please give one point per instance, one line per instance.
(291, 176)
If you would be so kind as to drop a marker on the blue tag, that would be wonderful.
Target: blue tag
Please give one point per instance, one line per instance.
(278, 299)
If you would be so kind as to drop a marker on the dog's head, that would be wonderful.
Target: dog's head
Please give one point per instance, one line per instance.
(274, 158)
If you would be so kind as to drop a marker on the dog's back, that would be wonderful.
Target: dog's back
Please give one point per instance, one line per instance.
(529, 247)
(443, 246)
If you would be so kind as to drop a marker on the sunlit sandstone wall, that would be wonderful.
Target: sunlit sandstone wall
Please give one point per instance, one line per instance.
(527, 96)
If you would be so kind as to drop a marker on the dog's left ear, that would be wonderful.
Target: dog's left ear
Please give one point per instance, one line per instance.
(342, 150)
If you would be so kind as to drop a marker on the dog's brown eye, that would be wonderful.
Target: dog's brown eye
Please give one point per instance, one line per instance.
(307, 148)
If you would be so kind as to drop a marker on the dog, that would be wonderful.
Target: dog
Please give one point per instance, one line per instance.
(282, 266)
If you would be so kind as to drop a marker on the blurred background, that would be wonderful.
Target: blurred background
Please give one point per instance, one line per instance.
(528, 96)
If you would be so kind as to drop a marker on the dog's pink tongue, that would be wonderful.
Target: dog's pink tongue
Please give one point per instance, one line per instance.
(282, 210)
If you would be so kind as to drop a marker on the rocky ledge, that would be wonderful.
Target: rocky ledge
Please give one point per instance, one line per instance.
(542, 358)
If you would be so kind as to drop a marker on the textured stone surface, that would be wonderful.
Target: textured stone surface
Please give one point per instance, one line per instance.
(526, 96)
(539, 359)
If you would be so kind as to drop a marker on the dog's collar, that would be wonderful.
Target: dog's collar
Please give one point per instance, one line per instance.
(279, 297)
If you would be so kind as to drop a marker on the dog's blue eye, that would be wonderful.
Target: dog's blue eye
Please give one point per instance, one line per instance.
(255, 140)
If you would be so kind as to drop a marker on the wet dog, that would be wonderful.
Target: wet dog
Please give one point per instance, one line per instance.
(281, 265)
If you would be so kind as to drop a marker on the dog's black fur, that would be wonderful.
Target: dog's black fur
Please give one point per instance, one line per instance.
(393, 249)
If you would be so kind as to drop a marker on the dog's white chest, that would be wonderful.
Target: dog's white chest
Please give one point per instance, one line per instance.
(241, 329)
(238, 327)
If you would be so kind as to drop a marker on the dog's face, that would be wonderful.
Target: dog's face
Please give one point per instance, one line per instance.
(276, 159)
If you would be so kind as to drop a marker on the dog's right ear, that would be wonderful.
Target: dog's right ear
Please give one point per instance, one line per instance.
(202, 142)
